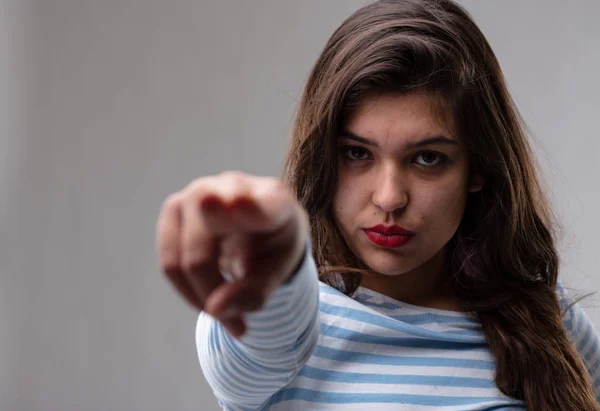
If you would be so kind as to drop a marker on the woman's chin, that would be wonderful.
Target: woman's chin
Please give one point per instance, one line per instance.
(386, 265)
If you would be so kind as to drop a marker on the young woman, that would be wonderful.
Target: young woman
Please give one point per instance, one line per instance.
(410, 170)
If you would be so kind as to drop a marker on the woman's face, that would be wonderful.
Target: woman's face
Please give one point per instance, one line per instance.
(403, 170)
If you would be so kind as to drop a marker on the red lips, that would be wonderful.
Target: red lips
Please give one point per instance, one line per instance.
(389, 236)
(390, 230)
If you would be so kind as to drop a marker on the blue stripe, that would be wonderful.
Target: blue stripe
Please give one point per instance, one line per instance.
(577, 320)
(433, 319)
(363, 378)
(349, 335)
(379, 359)
(386, 322)
(213, 331)
(474, 333)
(289, 394)
(384, 305)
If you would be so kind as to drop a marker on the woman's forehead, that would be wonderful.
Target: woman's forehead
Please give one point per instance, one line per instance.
(401, 116)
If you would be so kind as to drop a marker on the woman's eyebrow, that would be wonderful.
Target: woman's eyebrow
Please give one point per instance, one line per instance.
(363, 140)
(425, 142)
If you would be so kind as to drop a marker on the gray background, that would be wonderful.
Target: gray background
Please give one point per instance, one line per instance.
(108, 106)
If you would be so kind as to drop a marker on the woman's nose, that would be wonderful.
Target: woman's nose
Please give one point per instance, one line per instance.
(390, 192)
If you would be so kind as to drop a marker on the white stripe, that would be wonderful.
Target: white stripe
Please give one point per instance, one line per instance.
(333, 365)
(396, 351)
(343, 387)
(450, 327)
(361, 327)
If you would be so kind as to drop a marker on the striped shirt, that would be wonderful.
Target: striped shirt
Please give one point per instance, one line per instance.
(312, 347)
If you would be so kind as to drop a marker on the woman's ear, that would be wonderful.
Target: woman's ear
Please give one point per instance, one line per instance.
(476, 183)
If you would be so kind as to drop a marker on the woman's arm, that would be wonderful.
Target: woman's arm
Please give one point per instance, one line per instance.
(244, 373)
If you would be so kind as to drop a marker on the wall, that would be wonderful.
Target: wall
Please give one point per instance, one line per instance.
(106, 107)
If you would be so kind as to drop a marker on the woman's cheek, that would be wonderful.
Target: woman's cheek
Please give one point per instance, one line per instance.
(442, 207)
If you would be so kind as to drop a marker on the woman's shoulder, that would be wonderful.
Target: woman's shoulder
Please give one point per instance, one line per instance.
(565, 298)
(568, 299)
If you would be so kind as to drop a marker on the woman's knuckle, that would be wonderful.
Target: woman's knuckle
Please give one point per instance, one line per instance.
(235, 177)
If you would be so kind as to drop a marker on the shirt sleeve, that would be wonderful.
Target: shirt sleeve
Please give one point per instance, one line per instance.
(583, 335)
(244, 373)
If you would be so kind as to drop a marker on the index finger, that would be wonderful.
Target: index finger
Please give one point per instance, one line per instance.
(199, 252)
(168, 248)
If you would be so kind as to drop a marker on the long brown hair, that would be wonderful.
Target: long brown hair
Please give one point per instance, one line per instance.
(503, 261)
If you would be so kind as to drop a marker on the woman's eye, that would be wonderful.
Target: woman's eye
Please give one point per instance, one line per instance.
(355, 153)
(429, 159)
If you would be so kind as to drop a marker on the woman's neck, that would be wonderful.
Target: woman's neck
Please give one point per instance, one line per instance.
(425, 286)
